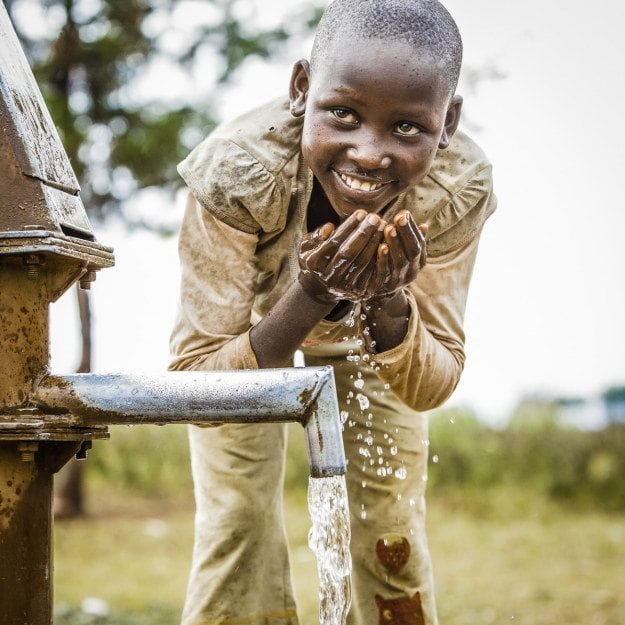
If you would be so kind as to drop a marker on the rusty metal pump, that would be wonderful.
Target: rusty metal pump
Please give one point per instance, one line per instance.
(46, 245)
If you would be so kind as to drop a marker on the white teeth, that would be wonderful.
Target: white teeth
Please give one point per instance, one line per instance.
(354, 183)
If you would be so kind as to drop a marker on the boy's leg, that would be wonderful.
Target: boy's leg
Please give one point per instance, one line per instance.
(386, 444)
(240, 571)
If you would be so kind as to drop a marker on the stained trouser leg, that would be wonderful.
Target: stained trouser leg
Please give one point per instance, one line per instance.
(240, 570)
(386, 445)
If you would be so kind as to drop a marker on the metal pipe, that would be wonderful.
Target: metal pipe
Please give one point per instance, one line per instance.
(306, 395)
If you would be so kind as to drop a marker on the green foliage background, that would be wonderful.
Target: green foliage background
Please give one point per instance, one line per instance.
(583, 470)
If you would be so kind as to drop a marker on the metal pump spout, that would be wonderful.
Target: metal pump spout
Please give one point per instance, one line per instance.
(306, 395)
(46, 245)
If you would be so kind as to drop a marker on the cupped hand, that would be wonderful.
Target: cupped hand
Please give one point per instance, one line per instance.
(339, 264)
(399, 257)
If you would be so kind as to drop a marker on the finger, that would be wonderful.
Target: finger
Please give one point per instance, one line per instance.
(380, 272)
(354, 255)
(412, 238)
(325, 251)
(312, 239)
(361, 271)
(398, 261)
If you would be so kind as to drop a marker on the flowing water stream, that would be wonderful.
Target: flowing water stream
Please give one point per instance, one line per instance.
(329, 539)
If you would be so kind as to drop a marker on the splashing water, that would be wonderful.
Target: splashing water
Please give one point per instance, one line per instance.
(329, 539)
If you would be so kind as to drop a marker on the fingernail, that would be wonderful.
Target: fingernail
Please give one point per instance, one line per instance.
(403, 220)
(392, 231)
(360, 214)
(373, 219)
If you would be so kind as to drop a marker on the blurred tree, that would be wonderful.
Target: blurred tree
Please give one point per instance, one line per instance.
(89, 58)
(614, 400)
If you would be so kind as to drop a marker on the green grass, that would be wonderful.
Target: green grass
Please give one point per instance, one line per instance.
(503, 552)
(542, 567)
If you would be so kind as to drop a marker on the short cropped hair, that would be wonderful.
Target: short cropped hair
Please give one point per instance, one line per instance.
(426, 25)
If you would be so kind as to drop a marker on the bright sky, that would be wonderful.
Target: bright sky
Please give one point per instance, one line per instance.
(547, 304)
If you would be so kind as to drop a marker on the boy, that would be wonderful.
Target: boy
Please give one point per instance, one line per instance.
(302, 217)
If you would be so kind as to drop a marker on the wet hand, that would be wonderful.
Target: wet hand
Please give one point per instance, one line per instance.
(399, 257)
(338, 264)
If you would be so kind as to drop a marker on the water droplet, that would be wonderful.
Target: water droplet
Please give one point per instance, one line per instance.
(435, 458)
(344, 414)
(363, 400)
(364, 484)
(452, 420)
(387, 386)
(369, 440)
(401, 473)
(350, 322)
(382, 472)
(359, 383)
(393, 450)
(379, 450)
(412, 502)
(363, 317)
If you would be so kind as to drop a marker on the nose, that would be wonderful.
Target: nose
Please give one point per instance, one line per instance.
(368, 151)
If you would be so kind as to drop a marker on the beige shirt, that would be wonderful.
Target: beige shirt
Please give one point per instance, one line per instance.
(245, 217)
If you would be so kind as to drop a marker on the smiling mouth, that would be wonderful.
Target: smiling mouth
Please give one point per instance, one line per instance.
(356, 184)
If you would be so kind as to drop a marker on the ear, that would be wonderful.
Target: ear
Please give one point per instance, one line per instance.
(452, 119)
(299, 86)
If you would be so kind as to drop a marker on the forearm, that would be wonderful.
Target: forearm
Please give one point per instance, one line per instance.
(387, 319)
(276, 337)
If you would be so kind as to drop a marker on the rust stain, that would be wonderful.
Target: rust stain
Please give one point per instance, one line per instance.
(402, 611)
(393, 551)
(304, 397)
(12, 490)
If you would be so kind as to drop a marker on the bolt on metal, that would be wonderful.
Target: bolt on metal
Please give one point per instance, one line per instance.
(27, 451)
(33, 264)
(87, 279)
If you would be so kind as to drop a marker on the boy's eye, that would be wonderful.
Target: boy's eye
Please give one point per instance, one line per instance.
(407, 129)
(345, 115)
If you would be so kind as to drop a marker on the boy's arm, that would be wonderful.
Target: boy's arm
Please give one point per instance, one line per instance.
(218, 272)
(213, 329)
(425, 367)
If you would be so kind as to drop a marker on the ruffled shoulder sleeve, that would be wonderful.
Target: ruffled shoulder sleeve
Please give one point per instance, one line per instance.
(455, 198)
(244, 170)
(234, 186)
(461, 218)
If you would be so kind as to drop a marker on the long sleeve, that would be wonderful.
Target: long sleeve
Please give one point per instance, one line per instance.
(218, 273)
(424, 369)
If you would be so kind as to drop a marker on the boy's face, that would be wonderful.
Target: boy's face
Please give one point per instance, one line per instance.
(375, 114)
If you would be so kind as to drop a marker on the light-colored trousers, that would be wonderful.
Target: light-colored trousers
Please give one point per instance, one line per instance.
(240, 571)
